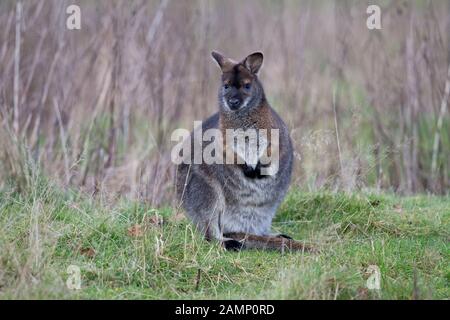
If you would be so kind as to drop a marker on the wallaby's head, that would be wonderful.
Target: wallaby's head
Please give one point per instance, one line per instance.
(240, 87)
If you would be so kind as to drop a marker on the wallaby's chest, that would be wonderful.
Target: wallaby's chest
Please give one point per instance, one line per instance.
(244, 185)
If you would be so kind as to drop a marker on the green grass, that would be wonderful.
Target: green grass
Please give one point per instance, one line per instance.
(46, 231)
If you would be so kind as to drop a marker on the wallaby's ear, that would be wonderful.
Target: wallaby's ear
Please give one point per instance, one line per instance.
(218, 57)
(224, 63)
(254, 62)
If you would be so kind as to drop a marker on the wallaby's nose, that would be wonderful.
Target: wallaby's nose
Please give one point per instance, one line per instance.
(234, 102)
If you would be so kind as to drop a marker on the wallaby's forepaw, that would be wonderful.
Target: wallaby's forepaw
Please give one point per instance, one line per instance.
(232, 245)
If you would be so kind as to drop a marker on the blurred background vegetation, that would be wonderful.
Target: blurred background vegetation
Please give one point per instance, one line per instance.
(94, 108)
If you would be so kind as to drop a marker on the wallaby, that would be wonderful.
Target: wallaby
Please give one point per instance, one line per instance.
(235, 203)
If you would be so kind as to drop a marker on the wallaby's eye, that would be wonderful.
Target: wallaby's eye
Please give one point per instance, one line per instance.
(226, 86)
(247, 86)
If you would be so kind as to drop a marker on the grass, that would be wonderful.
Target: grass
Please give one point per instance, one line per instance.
(125, 252)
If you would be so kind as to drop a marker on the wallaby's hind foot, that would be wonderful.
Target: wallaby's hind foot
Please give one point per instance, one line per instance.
(285, 236)
(232, 245)
(279, 243)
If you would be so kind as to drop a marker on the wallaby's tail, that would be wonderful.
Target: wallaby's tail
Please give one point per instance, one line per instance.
(250, 241)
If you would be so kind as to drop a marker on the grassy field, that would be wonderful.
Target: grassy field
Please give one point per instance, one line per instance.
(129, 250)
(93, 111)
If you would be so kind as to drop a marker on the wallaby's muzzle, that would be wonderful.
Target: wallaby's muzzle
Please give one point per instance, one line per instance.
(234, 103)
